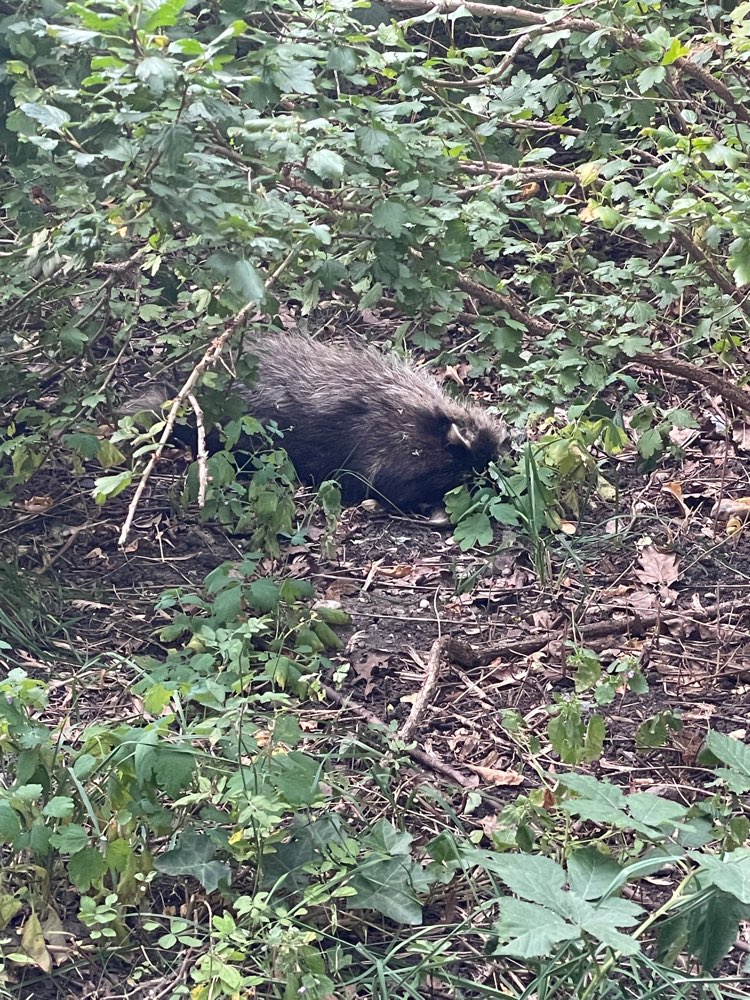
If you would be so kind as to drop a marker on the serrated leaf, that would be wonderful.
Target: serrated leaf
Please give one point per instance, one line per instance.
(649, 77)
(59, 807)
(675, 51)
(47, 115)
(734, 754)
(86, 868)
(111, 486)
(390, 216)
(592, 873)
(654, 810)
(157, 73)
(72, 36)
(165, 15)
(650, 443)
(530, 930)
(731, 873)
(70, 839)
(326, 164)
(531, 876)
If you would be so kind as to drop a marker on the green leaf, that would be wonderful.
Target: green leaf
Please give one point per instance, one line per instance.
(650, 443)
(10, 825)
(70, 839)
(385, 886)
(675, 51)
(713, 928)
(247, 282)
(326, 164)
(194, 856)
(533, 877)
(86, 867)
(111, 486)
(649, 77)
(592, 873)
(72, 36)
(157, 73)
(47, 115)
(389, 216)
(736, 755)
(730, 873)
(108, 454)
(165, 15)
(475, 529)
(59, 807)
(739, 261)
(529, 930)
(173, 769)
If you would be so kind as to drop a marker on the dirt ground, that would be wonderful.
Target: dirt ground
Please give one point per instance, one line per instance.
(655, 576)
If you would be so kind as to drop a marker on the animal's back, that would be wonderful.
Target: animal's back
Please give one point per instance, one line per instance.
(388, 426)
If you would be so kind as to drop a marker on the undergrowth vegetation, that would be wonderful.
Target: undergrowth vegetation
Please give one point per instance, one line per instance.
(555, 199)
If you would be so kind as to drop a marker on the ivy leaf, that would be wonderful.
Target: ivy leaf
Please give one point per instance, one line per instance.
(386, 886)
(194, 856)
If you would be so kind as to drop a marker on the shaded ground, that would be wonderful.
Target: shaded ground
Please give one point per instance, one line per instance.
(648, 571)
(402, 580)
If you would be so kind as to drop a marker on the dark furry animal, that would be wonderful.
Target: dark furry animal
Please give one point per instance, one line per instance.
(379, 426)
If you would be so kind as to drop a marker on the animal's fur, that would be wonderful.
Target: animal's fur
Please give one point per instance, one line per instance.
(381, 427)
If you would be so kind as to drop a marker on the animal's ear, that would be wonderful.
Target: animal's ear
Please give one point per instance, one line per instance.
(460, 437)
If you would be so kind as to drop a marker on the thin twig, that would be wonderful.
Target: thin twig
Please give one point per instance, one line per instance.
(427, 690)
(201, 455)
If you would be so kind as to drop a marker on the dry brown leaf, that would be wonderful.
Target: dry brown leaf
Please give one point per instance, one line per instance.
(660, 568)
(36, 505)
(56, 937)
(728, 508)
(493, 776)
(675, 490)
(397, 572)
(741, 436)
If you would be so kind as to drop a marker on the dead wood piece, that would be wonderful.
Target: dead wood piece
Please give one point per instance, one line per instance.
(636, 625)
(426, 692)
(699, 376)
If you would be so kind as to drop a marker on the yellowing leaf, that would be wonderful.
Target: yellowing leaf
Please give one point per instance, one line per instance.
(587, 173)
(33, 944)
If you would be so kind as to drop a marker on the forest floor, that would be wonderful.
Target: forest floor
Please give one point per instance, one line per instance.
(654, 580)
(655, 577)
